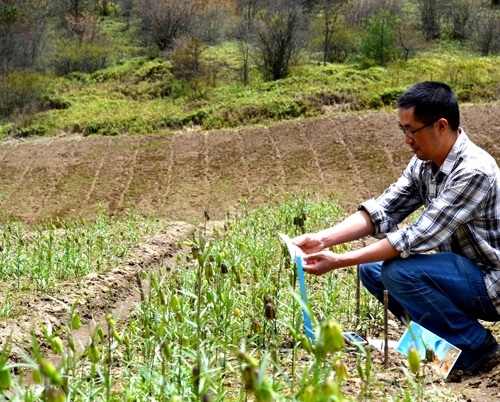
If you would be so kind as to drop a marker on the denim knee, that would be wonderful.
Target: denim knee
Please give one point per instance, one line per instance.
(395, 277)
(369, 274)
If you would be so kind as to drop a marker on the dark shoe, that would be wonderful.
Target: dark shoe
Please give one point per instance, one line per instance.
(488, 352)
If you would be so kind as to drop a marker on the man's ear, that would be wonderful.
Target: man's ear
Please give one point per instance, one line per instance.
(442, 125)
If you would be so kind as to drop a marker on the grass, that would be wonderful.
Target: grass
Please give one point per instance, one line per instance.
(142, 96)
(36, 259)
(223, 323)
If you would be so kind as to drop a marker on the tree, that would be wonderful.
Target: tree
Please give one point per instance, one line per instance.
(430, 16)
(330, 16)
(248, 11)
(22, 27)
(125, 10)
(187, 63)
(378, 43)
(214, 20)
(279, 38)
(244, 33)
(243, 36)
(162, 21)
(408, 38)
(486, 35)
(360, 10)
(75, 8)
(462, 14)
(84, 47)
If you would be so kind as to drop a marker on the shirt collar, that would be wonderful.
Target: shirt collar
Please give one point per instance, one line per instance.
(455, 153)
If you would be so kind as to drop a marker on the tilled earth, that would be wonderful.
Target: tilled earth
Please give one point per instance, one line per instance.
(179, 175)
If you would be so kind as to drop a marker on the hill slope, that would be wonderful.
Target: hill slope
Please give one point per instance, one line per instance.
(177, 175)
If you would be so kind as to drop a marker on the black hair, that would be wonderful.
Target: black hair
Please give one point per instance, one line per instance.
(431, 101)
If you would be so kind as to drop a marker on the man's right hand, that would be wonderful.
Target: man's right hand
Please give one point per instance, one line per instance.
(309, 243)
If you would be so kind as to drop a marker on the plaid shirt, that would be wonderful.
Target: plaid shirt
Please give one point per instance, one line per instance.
(462, 209)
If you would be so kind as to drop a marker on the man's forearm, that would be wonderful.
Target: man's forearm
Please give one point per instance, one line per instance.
(354, 227)
(324, 261)
(379, 251)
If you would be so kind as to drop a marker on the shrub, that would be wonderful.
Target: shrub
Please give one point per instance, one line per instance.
(6, 130)
(391, 95)
(83, 47)
(31, 131)
(73, 56)
(22, 92)
(385, 97)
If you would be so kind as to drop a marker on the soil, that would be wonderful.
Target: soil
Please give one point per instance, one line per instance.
(177, 176)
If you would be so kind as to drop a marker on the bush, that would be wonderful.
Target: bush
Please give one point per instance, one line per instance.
(139, 69)
(6, 130)
(391, 95)
(110, 126)
(22, 92)
(73, 56)
(52, 101)
(31, 131)
(381, 98)
(83, 46)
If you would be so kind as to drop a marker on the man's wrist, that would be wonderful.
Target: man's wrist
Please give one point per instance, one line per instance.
(325, 239)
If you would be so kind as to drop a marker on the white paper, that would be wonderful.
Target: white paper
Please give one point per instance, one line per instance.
(294, 250)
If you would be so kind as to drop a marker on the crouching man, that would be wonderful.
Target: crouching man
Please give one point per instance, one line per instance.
(458, 184)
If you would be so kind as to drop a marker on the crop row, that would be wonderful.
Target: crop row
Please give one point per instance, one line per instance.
(222, 323)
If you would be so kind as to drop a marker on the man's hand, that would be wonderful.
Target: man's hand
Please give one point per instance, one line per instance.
(309, 243)
(321, 263)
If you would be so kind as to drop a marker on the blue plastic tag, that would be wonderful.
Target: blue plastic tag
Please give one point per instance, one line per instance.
(303, 293)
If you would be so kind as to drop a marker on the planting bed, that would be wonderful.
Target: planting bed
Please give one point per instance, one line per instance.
(178, 176)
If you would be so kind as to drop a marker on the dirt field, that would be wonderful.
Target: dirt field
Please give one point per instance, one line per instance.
(177, 175)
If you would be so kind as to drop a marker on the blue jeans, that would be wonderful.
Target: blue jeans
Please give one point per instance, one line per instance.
(444, 292)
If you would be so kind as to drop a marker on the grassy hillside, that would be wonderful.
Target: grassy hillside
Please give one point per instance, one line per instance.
(142, 95)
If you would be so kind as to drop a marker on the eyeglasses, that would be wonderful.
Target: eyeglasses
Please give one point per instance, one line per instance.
(411, 133)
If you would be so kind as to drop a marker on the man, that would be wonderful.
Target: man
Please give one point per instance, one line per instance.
(458, 183)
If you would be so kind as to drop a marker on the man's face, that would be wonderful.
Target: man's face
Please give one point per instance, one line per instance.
(424, 143)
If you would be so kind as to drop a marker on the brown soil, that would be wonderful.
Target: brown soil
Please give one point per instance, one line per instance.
(177, 176)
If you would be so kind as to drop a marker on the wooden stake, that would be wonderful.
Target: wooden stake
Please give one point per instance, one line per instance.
(358, 297)
(386, 331)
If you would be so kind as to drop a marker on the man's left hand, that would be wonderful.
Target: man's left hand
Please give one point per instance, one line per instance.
(321, 263)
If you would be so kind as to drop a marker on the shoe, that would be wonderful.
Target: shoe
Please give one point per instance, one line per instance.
(485, 356)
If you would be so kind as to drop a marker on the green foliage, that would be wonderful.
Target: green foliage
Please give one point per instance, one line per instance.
(180, 89)
(212, 326)
(136, 70)
(6, 130)
(332, 35)
(72, 55)
(32, 130)
(387, 97)
(22, 92)
(8, 13)
(141, 79)
(142, 95)
(188, 64)
(38, 258)
(378, 42)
